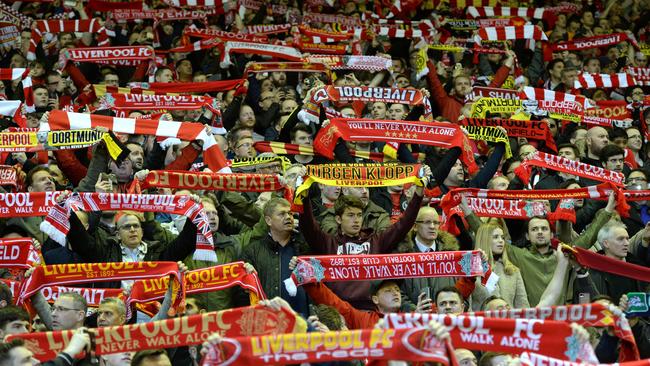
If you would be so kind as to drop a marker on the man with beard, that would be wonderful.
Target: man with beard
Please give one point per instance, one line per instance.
(597, 138)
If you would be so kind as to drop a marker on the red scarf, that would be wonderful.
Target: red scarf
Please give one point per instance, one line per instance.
(176, 332)
(266, 29)
(184, 88)
(427, 133)
(565, 165)
(276, 51)
(120, 56)
(58, 26)
(328, 268)
(282, 148)
(545, 94)
(331, 18)
(614, 109)
(513, 336)
(93, 296)
(261, 67)
(106, 5)
(23, 74)
(200, 281)
(212, 154)
(603, 263)
(416, 344)
(23, 204)
(239, 182)
(578, 44)
(506, 11)
(534, 359)
(57, 223)
(640, 74)
(207, 33)
(600, 192)
(534, 130)
(156, 101)
(347, 62)
(593, 81)
(8, 176)
(587, 315)
(62, 274)
(18, 253)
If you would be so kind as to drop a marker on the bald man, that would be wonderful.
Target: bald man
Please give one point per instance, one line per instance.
(597, 138)
(465, 357)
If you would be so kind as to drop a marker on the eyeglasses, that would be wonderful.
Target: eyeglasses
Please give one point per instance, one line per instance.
(428, 222)
(61, 309)
(129, 227)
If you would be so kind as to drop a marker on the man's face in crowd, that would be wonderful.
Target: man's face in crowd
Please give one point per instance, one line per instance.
(14, 327)
(457, 174)
(465, 357)
(398, 66)
(55, 84)
(618, 243)
(497, 304)
(567, 152)
(130, 231)
(117, 359)
(539, 232)
(247, 116)
(593, 66)
(597, 138)
(637, 95)
(267, 98)
(388, 298)
(42, 182)
(428, 225)
(40, 97)
(158, 360)
(212, 214)
(350, 221)
(552, 125)
(588, 19)
(109, 315)
(66, 40)
(288, 105)
(111, 80)
(136, 155)
(361, 193)
(462, 86)
(499, 183)
(17, 60)
(396, 111)
(580, 135)
(637, 178)
(402, 82)
(281, 219)
(615, 163)
(57, 175)
(244, 148)
(330, 192)
(184, 67)
(279, 78)
(449, 303)
(378, 110)
(21, 356)
(556, 70)
(302, 138)
(165, 76)
(191, 307)
(65, 315)
(569, 78)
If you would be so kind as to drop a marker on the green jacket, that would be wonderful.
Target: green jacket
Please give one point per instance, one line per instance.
(374, 217)
(537, 269)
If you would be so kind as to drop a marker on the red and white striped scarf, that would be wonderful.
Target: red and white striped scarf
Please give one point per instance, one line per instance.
(266, 29)
(592, 81)
(281, 52)
(505, 11)
(531, 93)
(511, 32)
(58, 26)
(120, 55)
(218, 5)
(12, 108)
(57, 223)
(212, 155)
(368, 63)
(23, 74)
(206, 33)
(578, 44)
(14, 17)
(640, 74)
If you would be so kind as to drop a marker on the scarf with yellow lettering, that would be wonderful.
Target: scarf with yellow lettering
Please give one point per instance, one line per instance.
(329, 268)
(239, 182)
(63, 274)
(32, 141)
(562, 164)
(587, 315)
(359, 175)
(258, 162)
(200, 281)
(57, 223)
(533, 130)
(494, 105)
(417, 344)
(409, 132)
(490, 134)
(553, 338)
(170, 333)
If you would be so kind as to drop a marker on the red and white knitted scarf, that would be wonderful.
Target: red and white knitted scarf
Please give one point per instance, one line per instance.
(505, 11)
(212, 155)
(180, 87)
(605, 40)
(528, 32)
(347, 62)
(19, 253)
(562, 164)
(58, 26)
(216, 5)
(531, 93)
(206, 33)
(640, 74)
(157, 101)
(592, 81)
(23, 74)
(57, 223)
(281, 52)
(119, 56)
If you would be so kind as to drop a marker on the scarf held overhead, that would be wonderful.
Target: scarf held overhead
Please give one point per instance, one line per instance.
(177, 332)
(603, 263)
(32, 141)
(239, 182)
(535, 130)
(388, 266)
(409, 132)
(18, 253)
(57, 222)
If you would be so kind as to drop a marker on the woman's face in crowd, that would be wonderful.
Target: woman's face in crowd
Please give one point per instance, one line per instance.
(498, 241)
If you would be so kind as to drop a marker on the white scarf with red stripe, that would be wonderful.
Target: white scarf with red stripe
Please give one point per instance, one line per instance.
(212, 155)
(640, 74)
(58, 26)
(57, 223)
(219, 5)
(531, 93)
(505, 11)
(281, 52)
(511, 32)
(592, 81)
(23, 74)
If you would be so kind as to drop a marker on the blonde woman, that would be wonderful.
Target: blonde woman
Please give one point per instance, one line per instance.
(490, 238)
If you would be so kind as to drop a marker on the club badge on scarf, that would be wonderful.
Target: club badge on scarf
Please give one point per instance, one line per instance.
(513, 336)
(57, 222)
(417, 344)
(329, 268)
(638, 304)
(176, 332)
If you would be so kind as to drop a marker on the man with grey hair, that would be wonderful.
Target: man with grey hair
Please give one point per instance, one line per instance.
(615, 243)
